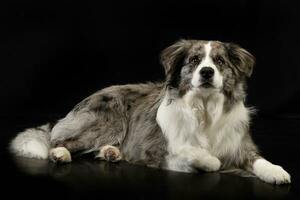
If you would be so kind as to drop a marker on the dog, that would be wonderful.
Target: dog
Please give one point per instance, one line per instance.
(195, 120)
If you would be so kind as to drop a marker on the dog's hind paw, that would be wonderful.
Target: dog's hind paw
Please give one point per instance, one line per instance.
(60, 154)
(109, 153)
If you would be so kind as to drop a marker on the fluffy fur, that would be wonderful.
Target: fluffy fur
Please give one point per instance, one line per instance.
(195, 120)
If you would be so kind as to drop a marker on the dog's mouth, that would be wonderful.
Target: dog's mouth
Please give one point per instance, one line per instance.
(207, 84)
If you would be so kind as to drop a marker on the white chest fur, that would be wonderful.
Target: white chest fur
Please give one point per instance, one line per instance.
(195, 122)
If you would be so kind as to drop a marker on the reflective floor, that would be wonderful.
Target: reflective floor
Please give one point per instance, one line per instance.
(86, 178)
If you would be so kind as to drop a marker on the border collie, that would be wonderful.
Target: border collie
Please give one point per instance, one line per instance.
(195, 120)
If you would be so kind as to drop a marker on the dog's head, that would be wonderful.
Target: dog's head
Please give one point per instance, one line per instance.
(206, 66)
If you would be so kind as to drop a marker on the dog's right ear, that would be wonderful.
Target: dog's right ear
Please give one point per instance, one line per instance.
(173, 55)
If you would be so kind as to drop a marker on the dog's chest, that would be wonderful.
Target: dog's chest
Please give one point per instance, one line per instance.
(201, 124)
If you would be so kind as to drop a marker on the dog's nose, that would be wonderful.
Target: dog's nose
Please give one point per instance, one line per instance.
(207, 72)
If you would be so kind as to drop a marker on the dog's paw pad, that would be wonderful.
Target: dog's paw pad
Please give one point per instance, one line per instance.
(60, 154)
(110, 153)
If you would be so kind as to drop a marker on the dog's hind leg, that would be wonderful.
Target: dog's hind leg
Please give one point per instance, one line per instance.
(62, 150)
(109, 153)
(98, 122)
(100, 140)
(65, 135)
(72, 126)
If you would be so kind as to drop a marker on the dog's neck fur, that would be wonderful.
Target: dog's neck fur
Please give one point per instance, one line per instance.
(207, 105)
(229, 100)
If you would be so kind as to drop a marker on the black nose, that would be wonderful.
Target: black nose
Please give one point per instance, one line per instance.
(207, 72)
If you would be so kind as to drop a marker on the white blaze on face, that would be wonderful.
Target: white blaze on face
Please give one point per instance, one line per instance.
(207, 62)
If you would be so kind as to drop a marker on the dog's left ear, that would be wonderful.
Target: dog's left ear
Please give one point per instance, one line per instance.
(241, 59)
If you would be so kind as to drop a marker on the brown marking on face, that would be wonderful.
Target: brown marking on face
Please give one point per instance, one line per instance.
(216, 45)
(196, 50)
(219, 55)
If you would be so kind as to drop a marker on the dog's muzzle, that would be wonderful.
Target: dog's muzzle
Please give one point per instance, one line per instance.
(206, 74)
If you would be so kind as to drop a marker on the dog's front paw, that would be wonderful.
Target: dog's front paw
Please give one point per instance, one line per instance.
(209, 164)
(213, 164)
(60, 154)
(270, 173)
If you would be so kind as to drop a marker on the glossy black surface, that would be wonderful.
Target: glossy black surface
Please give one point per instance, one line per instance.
(90, 179)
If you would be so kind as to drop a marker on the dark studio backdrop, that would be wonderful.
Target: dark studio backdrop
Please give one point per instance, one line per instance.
(57, 53)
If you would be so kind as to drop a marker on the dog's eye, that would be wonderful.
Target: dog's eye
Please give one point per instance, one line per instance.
(194, 59)
(220, 61)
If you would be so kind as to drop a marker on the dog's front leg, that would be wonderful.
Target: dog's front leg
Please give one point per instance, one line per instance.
(188, 158)
(253, 162)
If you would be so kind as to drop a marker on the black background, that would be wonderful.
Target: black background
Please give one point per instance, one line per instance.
(61, 52)
(57, 53)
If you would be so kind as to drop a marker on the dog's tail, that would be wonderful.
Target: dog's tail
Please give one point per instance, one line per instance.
(32, 143)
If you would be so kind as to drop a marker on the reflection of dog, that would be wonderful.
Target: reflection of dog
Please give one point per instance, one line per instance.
(196, 119)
